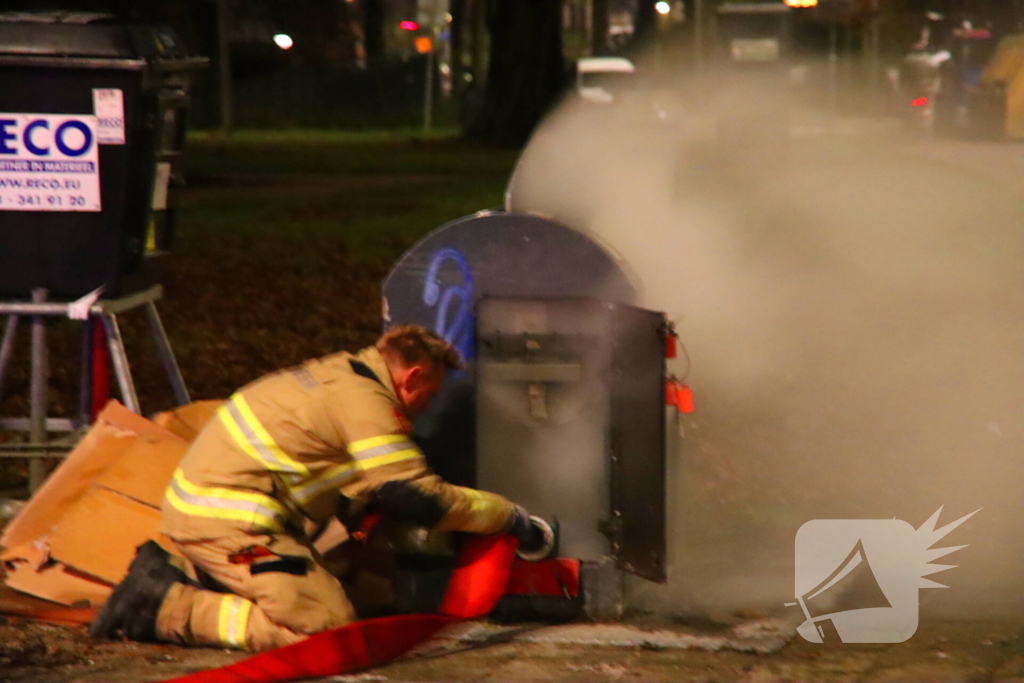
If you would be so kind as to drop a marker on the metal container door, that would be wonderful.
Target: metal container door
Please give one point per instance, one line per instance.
(637, 443)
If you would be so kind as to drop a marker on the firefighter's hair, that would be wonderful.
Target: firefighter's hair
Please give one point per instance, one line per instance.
(411, 344)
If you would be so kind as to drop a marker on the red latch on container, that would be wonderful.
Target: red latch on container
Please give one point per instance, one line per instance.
(684, 398)
(671, 393)
(679, 395)
(671, 340)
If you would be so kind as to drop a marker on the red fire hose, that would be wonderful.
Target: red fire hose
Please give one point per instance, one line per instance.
(476, 585)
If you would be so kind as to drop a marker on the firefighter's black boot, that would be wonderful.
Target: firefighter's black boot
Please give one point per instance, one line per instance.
(133, 606)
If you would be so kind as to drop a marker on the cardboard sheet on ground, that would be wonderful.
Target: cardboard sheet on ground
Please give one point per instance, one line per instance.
(54, 582)
(17, 604)
(187, 421)
(144, 468)
(114, 431)
(124, 523)
(77, 535)
(30, 570)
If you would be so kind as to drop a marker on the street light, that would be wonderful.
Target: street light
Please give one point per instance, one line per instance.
(802, 3)
(662, 7)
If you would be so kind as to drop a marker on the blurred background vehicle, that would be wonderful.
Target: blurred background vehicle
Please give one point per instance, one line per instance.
(599, 79)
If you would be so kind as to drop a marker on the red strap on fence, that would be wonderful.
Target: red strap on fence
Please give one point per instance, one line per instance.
(100, 367)
(476, 585)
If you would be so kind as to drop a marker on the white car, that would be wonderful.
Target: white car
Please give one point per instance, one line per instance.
(600, 79)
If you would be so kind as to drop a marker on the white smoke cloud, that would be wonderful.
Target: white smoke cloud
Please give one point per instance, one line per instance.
(852, 305)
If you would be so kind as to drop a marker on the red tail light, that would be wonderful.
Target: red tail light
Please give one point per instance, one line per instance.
(919, 102)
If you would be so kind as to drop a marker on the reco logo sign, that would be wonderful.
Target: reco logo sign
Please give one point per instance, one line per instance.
(72, 138)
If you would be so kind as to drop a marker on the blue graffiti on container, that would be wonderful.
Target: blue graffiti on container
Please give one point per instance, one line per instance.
(454, 317)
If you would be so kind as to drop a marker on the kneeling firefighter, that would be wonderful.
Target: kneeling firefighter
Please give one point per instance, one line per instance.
(277, 454)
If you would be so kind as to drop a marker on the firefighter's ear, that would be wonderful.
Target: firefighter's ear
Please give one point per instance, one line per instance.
(407, 376)
(413, 376)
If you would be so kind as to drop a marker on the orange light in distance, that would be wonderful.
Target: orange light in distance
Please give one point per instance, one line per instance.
(424, 44)
(802, 3)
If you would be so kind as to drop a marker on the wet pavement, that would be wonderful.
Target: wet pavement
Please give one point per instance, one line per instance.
(754, 651)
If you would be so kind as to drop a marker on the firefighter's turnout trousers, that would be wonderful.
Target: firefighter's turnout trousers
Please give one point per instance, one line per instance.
(266, 603)
(278, 453)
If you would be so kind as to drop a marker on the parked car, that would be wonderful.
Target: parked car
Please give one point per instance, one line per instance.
(600, 79)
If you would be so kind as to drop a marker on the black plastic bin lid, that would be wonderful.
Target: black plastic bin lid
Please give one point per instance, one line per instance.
(85, 35)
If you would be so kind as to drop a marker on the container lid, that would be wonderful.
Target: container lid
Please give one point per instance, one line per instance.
(88, 35)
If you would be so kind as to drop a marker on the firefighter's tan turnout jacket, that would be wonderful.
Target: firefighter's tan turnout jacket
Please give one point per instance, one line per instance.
(283, 448)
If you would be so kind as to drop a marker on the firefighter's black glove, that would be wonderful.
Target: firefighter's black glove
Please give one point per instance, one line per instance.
(536, 537)
(349, 513)
(404, 502)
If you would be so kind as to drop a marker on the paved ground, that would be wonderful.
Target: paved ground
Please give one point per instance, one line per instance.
(947, 652)
(751, 653)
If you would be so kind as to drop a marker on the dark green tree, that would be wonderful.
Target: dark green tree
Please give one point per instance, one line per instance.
(373, 29)
(645, 24)
(599, 27)
(527, 69)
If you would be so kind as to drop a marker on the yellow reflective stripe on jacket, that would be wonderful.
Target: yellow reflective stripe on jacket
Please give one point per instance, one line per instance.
(383, 450)
(374, 442)
(482, 502)
(381, 460)
(253, 438)
(219, 503)
(332, 479)
(233, 620)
